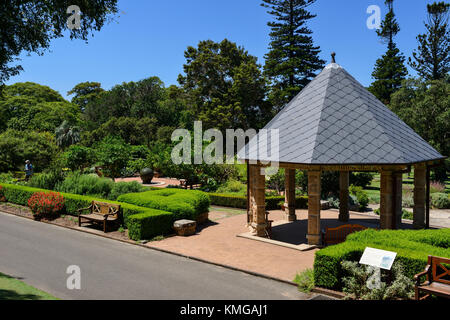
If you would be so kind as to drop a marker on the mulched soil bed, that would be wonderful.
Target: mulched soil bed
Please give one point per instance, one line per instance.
(65, 221)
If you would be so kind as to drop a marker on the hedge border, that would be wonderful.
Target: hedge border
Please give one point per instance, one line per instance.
(145, 224)
(235, 201)
(412, 247)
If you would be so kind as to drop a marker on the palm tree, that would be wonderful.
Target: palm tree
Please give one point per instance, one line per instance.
(67, 135)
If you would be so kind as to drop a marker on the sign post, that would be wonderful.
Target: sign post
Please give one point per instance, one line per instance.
(377, 259)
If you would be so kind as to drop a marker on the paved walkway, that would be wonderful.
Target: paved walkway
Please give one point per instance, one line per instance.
(39, 254)
(218, 242)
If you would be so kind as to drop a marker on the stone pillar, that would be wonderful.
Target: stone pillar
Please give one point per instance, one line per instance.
(398, 182)
(387, 200)
(314, 232)
(258, 202)
(250, 198)
(420, 173)
(290, 195)
(343, 196)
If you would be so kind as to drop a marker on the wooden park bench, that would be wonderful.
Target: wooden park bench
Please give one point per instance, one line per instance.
(438, 278)
(339, 234)
(100, 212)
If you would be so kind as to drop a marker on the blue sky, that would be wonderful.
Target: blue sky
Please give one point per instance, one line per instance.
(150, 36)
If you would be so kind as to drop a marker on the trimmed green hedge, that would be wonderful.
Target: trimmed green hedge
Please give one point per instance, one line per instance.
(142, 223)
(234, 201)
(184, 204)
(412, 246)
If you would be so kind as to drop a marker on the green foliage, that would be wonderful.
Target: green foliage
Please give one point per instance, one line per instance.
(147, 225)
(432, 59)
(185, 204)
(224, 86)
(46, 180)
(390, 69)
(233, 186)
(86, 184)
(357, 277)
(18, 146)
(79, 157)
(236, 201)
(425, 107)
(361, 196)
(305, 280)
(30, 26)
(292, 59)
(112, 154)
(412, 247)
(85, 93)
(440, 200)
(120, 188)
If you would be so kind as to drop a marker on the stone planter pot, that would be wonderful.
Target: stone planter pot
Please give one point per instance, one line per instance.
(146, 175)
(202, 218)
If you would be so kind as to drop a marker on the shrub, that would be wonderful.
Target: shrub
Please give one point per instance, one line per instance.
(305, 280)
(408, 199)
(120, 188)
(437, 187)
(361, 196)
(46, 180)
(235, 201)
(2, 195)
(233, 186)
(140, 227)
(46, 203)
(361, 179)
(440, 200)
(85, 184)
(7, 177)
(359, 276)
(185, 204)
(412, 247)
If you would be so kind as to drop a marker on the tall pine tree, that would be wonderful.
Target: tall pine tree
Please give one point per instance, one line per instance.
(292, 60)
(432, 58)
(390, 69)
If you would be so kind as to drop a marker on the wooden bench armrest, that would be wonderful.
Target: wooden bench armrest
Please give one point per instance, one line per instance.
(84, 209)
(423, 273)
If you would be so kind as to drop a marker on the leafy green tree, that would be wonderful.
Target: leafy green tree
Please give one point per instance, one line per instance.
(17, 146)
(293, 59)
(113, 154)
(390, 69)
(85, 92)
(79, 157)
(225, 86)
(30, 25)
(67, 135)
(133, 99)
(432, 58)
(425, 107)
(30, 106)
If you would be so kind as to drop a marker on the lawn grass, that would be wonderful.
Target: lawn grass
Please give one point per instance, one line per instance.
(13, 289)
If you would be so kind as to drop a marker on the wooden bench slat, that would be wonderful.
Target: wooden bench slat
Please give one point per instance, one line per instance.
(98, 212)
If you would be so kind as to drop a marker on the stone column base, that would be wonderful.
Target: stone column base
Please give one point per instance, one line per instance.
(314, 239)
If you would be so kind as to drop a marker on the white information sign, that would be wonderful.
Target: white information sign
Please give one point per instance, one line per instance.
(378, 258)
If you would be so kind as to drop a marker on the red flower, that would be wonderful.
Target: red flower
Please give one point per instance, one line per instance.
(46, 203)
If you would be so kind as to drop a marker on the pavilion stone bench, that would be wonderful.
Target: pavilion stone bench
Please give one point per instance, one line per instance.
(184, 227)
(437, 283)
(100, 212)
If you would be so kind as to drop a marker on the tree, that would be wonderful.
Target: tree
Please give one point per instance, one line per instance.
(30, 25)
(432, 59)
(67, 135)
(133, 99)
(390, 69)
(225, 86)
(17, 146)
(79, 157)
(113, 155)
(84, 93)
(292, 60)
(425, 107)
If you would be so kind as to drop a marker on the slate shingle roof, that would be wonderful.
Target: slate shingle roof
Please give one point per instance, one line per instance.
(335, 120)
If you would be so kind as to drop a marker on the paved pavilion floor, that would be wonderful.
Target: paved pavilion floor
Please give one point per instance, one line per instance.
(217, 242)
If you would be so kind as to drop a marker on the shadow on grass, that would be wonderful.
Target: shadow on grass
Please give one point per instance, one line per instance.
(12, 295)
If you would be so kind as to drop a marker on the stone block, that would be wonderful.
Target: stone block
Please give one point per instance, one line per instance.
(184, 228)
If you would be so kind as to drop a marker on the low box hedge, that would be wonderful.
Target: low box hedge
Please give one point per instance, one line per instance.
(184, 204)
(141, 222)
(412, 246)
(235, 201)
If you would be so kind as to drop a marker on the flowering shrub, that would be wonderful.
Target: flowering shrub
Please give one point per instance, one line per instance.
(46, 203)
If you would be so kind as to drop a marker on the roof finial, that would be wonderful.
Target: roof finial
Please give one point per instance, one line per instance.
(333, 57)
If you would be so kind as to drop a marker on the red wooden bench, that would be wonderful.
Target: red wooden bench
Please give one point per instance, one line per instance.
(339, 234)
(438, 278)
